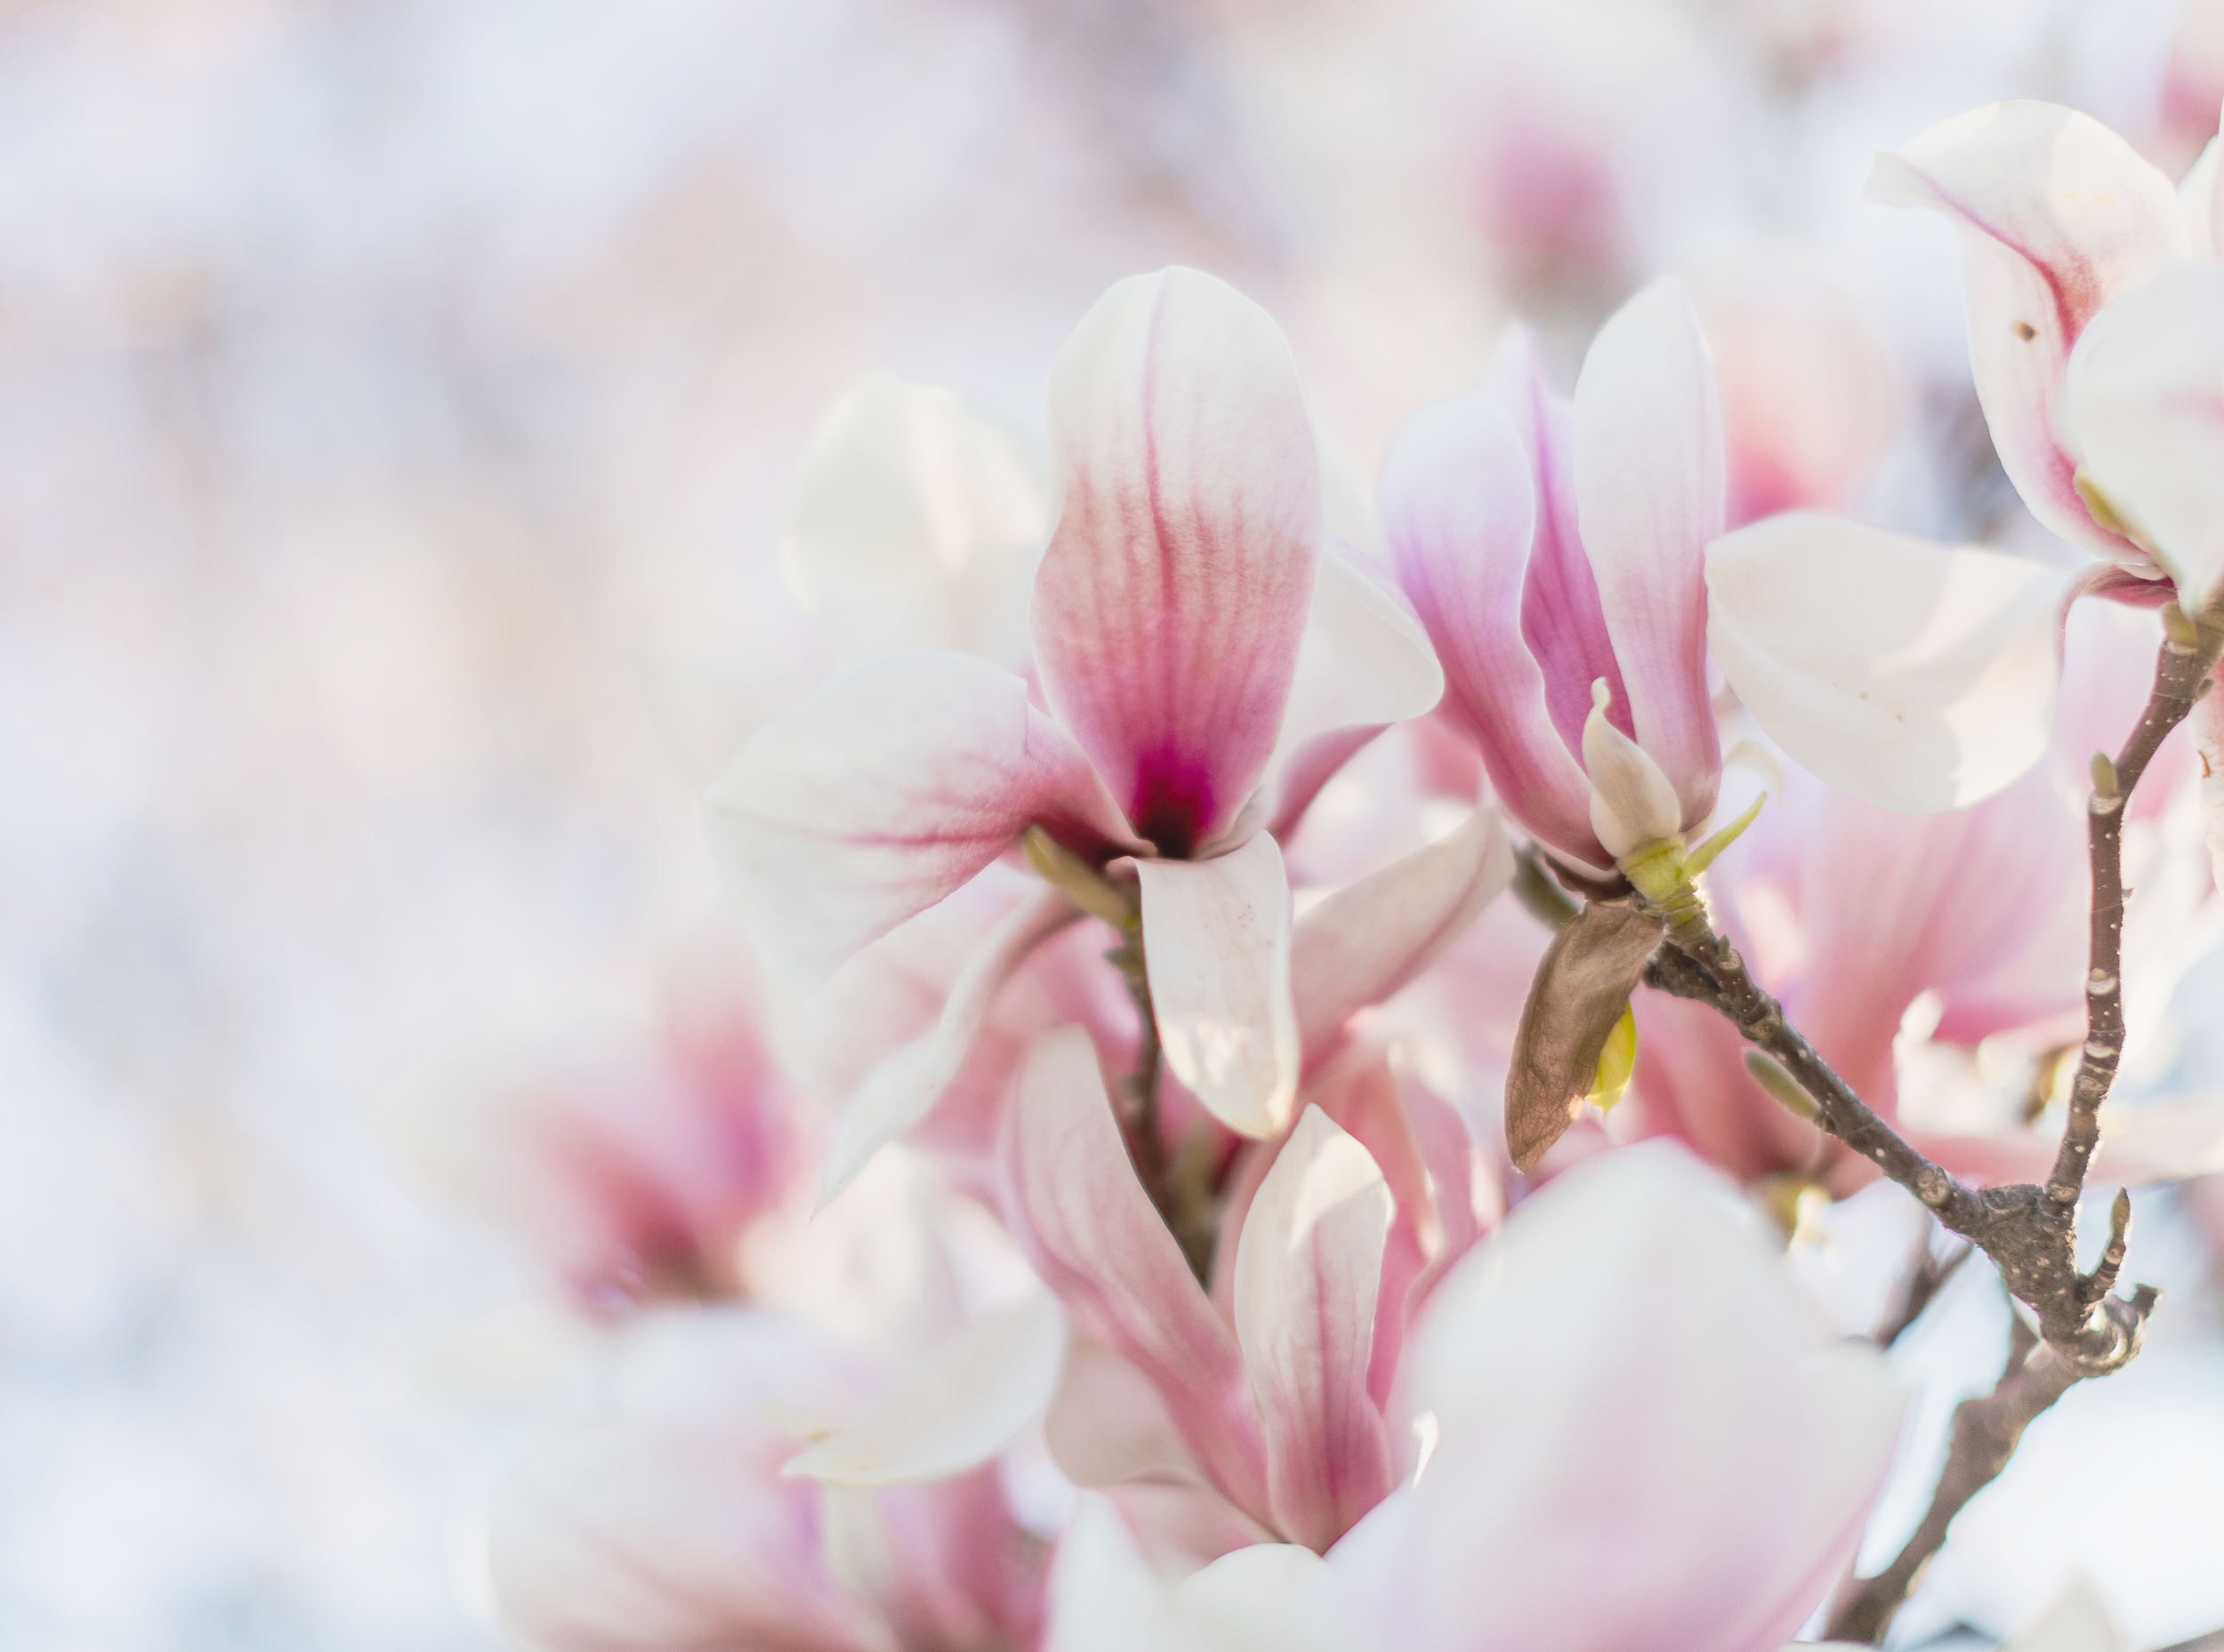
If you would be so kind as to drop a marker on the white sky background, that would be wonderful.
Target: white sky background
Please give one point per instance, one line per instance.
(396, 402)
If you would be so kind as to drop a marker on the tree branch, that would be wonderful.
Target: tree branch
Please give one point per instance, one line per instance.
(1985, 1432)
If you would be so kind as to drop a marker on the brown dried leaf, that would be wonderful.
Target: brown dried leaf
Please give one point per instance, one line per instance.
(1586, 979)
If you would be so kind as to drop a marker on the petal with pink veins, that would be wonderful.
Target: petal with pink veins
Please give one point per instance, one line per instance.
(1650, 488)
(885, 789)
(1216, 948)
(1095, 1238)
(1459, 506)
(1915, 676)
(2147, 391)
(906, 1085)
(957, 1408)
(1622, 1457)
(2059, 215)
(1170, 606)
(1371, 938)
(1307, 1268)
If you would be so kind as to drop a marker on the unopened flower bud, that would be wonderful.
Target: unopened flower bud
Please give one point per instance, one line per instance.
(1631, 800)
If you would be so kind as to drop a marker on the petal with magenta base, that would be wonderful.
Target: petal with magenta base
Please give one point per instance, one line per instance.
(1169, 607)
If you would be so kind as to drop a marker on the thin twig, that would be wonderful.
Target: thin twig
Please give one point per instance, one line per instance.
(1925, 1280)
(1986, 1433)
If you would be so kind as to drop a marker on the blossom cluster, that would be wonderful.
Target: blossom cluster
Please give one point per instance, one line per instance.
(1165, 1182)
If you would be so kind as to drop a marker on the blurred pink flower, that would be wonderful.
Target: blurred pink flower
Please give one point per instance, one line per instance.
(1554, 554)
(675, 1522)
(631, 1172)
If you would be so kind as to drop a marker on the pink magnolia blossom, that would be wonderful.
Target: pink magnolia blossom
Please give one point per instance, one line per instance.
(1589, 1452)
(632, 1172)
(1923, 677)
(1554, 554)
(1257, 1410)
(1182, 596)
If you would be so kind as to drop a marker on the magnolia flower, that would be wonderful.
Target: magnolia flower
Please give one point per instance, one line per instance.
(1555, 555)
(1261, 1402)
(1590, 1453)
(632, 1172)
(1205, 668)
(1921, 677)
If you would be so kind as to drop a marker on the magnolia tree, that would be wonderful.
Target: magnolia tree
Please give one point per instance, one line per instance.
(1313, 1046)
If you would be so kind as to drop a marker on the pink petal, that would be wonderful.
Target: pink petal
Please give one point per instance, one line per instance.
(1216, 944)
(906, 1087)
(1170, 605)
(1307, 1268)
(1371, 938)
(1663, 1467)
(1561, 619)
(1915, 676)
(1459, 508)
(1095, 1238)
(2147, 391)
(888, 788)
(2057, 216)
(1649, 484)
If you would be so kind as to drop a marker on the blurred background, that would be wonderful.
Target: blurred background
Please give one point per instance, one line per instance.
(398, 402)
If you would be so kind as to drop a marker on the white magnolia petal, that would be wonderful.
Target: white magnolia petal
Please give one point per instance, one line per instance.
(1268, 1597)
(1308, 1267)
(2078, 1622)
(2197, 196)
(1364, 661)
(2059, 217)
(1661, 1467)
(906, 1087)
(2147, 391)
(1371, 938)
(914, 523)
(1631, 800)
(1915, 676)
(1264, 1598)
(1216, 945)
(1103, 1598)
(883, 790)
(957, 1409)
